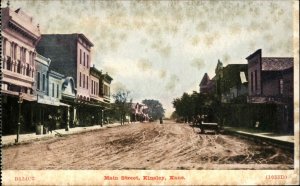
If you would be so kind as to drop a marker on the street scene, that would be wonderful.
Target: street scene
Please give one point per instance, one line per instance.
(148, 85)
(146, 146)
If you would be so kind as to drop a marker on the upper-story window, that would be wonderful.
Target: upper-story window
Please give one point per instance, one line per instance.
(12, 50)
(57, 90)
(92, 86)
(281, 86)
(44, 82)
(53, 90)
(80, 56)
(87, 82)
(255, 77)
(83, 81)
(251, 81)
(19, 67)
(4, 47)
(38, 81)
(87, 60)
(80, 79)
(27, 70)
(83, 58)
(15, 51)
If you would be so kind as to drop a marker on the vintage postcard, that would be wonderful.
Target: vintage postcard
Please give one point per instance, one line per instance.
(146, 92)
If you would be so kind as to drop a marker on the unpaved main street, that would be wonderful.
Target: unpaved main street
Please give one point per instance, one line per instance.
(145, 146)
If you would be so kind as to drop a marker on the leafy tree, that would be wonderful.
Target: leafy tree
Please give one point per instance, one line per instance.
(155, 108)
(121, 103)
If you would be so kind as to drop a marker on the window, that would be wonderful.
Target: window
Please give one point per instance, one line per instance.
(251, 81)
(15, 51)
(19, 67)
(83, 58)
(57, 90)
(44, 82)
(87, 61)
(38, 81)
(83, 81)
(92, 87)
(281, 86)
(24, 61)
(255, 76)
(11, 50)
(52, 89)
(9, 65)
(27, 70)
(80, 57)
(80, 79)
(4, 47)
(87, 82)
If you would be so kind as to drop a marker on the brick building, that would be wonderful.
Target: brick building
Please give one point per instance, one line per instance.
(19, 38)
(71, 56)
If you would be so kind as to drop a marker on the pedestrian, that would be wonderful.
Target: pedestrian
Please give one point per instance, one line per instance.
(160, 120)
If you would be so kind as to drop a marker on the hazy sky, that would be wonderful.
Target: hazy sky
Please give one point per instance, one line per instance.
(158, 50)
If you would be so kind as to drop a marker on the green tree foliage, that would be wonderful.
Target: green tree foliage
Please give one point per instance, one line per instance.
(122, 103)
(155, 108)
(190, 105)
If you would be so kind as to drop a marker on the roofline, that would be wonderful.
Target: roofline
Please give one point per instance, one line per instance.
(254, 54)
(86, 39)
(75, 34)
(56, 74)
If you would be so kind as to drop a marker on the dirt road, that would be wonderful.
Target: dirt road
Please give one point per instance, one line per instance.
(145, 146)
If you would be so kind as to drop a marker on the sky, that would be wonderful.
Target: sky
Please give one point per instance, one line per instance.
(161, 49)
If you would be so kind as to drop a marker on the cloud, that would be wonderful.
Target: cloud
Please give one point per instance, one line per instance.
(173, 80)
(198, 63)
(144, 64)
(117, 86)
(162, 73)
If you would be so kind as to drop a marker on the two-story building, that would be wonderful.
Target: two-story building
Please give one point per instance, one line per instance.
(105, 82)
(271, 81)
(231, 82)
(71, 56)
(19, 38)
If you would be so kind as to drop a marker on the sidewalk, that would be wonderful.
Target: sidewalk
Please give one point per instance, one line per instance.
(283, 140)
(25, 138)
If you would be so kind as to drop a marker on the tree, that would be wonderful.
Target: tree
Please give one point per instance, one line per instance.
(155, 108)
(121, 103)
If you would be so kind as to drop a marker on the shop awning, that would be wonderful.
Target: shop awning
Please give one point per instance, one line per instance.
(63, 104)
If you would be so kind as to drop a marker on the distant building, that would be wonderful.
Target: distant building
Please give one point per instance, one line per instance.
(207, 86)
(105, 82)
(231, 81)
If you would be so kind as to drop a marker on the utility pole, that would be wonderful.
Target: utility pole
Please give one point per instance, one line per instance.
(20, 101)
(102, 119)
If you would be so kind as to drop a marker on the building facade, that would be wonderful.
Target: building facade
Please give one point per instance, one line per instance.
(19, 39)
(207, 86)
(271, 83)
(71, 56)
(231, 82)
(270, 78)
